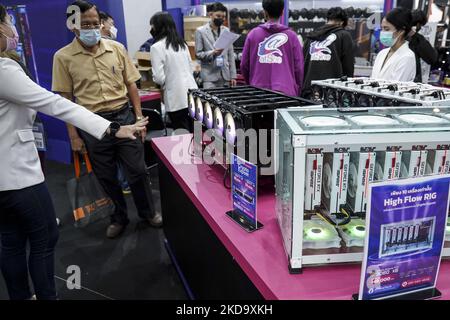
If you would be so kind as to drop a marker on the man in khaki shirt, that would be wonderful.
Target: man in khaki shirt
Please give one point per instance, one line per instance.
(100, 76)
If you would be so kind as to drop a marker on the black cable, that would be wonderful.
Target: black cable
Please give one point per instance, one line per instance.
(225, 179)
(324, 215)
(189, 148)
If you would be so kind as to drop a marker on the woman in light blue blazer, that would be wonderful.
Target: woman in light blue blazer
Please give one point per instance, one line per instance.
(27, 216)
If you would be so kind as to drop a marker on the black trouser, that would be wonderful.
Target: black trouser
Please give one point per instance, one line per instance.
(27, 217)
(180, 120)
(105, 155)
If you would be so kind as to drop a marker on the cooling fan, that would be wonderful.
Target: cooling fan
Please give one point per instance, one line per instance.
(353, 233)
(199, 110)
(230, 129)
(324, 122)
(318, 234)
(218, 122)
(420, 119)
(191, 106)
(208, 119)
(373, 120)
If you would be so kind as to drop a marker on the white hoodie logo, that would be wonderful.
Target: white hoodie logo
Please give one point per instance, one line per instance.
(268, 50)
(319, 51)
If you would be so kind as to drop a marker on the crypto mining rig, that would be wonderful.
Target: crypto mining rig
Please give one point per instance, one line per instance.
(327, 157)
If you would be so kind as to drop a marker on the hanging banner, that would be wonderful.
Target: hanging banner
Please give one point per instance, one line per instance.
(406, 222)
(25, 50)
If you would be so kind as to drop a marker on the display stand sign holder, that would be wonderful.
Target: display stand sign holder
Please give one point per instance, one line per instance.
(244, 192)
(406, 222)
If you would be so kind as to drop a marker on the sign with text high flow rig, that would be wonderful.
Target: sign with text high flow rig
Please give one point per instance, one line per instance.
(406, 221)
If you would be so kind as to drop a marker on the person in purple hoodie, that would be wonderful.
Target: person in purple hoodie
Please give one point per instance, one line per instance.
(273, 56)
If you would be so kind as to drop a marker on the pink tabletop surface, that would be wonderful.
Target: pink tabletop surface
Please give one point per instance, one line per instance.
(260, 254)
(151, 95)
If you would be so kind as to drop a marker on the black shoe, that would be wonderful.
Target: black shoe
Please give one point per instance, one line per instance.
(156, 221)
(114, 230)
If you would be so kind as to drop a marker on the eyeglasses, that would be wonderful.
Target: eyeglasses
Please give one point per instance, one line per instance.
(90, 26)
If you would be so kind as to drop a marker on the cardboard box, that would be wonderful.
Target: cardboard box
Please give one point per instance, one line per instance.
(144, 65)
(191, 23)
(191, 46)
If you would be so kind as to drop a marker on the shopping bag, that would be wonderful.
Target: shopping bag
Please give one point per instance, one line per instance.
(87, 197)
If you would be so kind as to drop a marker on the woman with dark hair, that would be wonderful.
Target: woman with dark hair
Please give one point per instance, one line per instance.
(27, 215)
(397, 61)
(172, 70)
(420, 46)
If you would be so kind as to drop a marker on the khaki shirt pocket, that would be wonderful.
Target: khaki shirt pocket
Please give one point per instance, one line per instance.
(118, 76)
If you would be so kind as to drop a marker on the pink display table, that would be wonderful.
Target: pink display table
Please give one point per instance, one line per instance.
(149, 95)
(260, 255)
(150, 99)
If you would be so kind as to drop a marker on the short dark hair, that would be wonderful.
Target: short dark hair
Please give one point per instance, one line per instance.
(419, 17)
(274, 8)
(84, 6)
(216, 6)
(339, 14)
(3, 13)
(400, 18)
(105, 16)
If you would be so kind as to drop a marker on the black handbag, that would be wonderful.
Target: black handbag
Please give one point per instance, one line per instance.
(88, 199)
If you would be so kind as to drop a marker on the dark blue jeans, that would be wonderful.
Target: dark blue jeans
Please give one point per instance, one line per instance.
(27, 217)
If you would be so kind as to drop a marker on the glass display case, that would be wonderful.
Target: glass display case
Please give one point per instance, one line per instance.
(327, 157)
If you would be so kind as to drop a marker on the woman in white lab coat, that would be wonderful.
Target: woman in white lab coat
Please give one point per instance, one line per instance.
(172, 70)
(397, 61)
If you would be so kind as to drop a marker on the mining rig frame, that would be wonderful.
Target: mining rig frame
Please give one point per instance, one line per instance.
(294, 141)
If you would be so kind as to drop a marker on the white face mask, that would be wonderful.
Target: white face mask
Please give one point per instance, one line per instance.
(113, 32)
(11, 43)
(90, 37)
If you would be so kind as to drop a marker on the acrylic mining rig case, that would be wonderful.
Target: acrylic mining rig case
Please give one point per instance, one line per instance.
(327, 157)
(367, 93)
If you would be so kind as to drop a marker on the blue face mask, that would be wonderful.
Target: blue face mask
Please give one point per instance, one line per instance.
(90, 37)
(387, 38)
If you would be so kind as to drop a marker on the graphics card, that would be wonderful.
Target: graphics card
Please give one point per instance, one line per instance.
(439, 160)
(314, 167)
(388, 164)
(414, 162)
(335, 179)
(361, 173)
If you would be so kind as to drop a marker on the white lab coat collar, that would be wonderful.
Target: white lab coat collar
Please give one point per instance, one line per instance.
(401, 66)
(397, 55)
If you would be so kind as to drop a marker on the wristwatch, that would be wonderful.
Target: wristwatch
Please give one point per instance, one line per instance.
(139, 118)
(114, 127)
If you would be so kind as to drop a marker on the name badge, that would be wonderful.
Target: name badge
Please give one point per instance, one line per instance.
(39, 136)
(220, 62)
